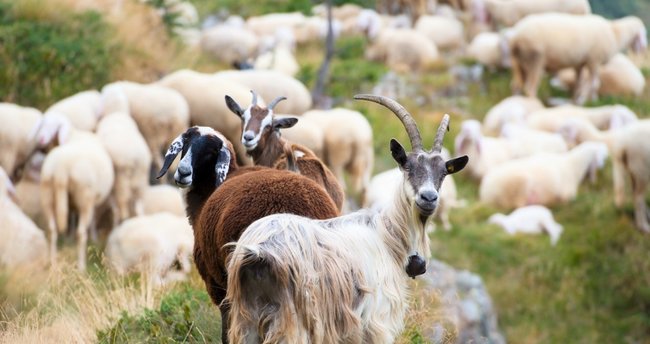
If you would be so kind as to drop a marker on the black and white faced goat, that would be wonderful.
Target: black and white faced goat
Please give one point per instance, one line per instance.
(297, 280)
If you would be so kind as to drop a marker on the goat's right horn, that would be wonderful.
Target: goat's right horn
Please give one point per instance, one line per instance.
(175, 148)
(275, 102)
(254, 101)
(444, 127)
(401, 113)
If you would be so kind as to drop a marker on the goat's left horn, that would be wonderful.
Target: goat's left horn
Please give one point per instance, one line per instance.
(275, 102)
(444, 127)
(254, 101)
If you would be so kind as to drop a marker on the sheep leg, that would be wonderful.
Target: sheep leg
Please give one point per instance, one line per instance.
(518, 76)
(641, 210)
(533, 75)
(619, 181)
(85, 217)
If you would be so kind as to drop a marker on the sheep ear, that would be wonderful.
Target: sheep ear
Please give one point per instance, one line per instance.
(223, 165)
(398, 152)
(456, 164)
(233, 106)
(64, 133)
(175, 148)
(283, 123)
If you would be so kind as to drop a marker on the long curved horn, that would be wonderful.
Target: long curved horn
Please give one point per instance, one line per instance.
(444, 127)
(175, 148)
(275, 102)
(254, 101)
(401, 113)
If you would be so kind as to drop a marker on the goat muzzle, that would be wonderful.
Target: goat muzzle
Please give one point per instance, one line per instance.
(416, 266)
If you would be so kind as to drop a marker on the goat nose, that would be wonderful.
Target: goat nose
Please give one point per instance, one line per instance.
(429, 196)
(184, 170)
(249, 136)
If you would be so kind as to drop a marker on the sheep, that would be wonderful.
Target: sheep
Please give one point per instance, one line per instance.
(315, 28)
(268, 83)
(346, 14)
(348, 145)
(556, 178)
(15, 136)
(631, 159)
(22, 242)
(261, 137)
(445, 33)
(204, 94)
(77, 174)
(28, 196)
(513, 109)
(162, 198)
(587, 41)
(532, 219)
(383, 185)
(230, 44)
(131, 158)
(603, 117)
(283, 266)
(308, 134)
(280, 59)
(618, 77)
(223, 199)
(151, 244)
(403, 50)
(264, 24)
(508, 13)
(82, 109)
(533, 141)
(490, 49)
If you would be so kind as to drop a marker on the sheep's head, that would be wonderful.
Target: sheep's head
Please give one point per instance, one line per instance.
(469, 136)
(52, 125)
(258, 123)
(423, 172)
(205, 155)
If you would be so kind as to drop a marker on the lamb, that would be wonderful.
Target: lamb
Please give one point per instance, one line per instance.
(204, 94)
(268, 83)
(532, 219)
(445, 33)
(162, 198)
(556, 178)
(588, 41)
(77, 174)
(508, 13)
(261, 137)
(82, 109)
(284, 266)
(223, 199)
(513, 109)
(403, 50)
(15, 139)
(348, 145)
(151, 244)
(631, 159)
(230, 44)
(22, 243)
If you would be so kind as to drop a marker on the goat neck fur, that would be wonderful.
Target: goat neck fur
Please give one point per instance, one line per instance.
(284, 266)
(263, 142)
(224, 199)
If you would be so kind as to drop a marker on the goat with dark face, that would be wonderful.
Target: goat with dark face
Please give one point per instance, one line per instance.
(263, 142)
(223, 199)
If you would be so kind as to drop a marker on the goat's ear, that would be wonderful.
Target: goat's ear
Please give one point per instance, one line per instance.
(456, 164)
(283, 123)
(222, 166)
(173, 150)
(233, 106)
(398, 152)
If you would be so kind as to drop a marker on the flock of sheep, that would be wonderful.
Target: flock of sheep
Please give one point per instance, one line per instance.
(88, 163)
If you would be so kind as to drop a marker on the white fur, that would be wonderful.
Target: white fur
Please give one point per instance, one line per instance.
(532, 219)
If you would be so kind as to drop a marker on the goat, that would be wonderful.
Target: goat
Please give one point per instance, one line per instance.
(223, 199)
(263, 142)
(298, 280)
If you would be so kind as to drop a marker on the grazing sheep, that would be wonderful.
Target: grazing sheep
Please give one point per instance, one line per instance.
(402, 50)
(151, 245)
(261, 137)
(555, 41)
(160, 113)
(532, 219)
(555, 180)
(602, 117)
(230, 44)
(284, 266)
(348, 145)
(223, 199)
(509, 12)
(445, 33)
(162, 198)
(631, 159)
(15, 136)
(77, 174)
(513, 109)
(82, 109)
(533, 141)
(485, 48)
(21, 241)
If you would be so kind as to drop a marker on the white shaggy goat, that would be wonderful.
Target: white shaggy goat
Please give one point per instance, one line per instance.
(284, 267)
(532, 219)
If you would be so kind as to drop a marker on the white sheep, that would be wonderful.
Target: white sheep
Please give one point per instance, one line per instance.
(22, 243)
(445, 33)
(82, 109)
(160, 112)
(28, 196)
(151, 245)
(230, 44)
(544, 179)
(261, 25)
(15, 135)
(280, 59)
(307, 133)
(163, 198)
(77, 174)
(513, 109)
(554, 41)
(532, 219)
(603, 117)
(530, 141)
(403, 50)
(485, 48)
(509, 12)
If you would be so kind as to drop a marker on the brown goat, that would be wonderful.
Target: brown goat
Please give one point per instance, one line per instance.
(263, 142)
(224, 199)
